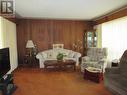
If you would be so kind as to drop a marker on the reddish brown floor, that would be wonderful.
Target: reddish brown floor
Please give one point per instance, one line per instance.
(39, 82)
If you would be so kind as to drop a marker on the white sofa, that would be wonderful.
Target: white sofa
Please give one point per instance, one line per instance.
(51, 54)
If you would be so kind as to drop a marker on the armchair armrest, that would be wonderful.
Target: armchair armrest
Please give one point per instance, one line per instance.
(102, 62)
(113, 70)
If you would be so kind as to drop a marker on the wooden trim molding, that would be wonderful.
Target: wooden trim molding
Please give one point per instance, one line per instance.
(111, 16)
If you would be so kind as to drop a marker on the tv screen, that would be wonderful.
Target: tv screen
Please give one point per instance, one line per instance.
(4, 61)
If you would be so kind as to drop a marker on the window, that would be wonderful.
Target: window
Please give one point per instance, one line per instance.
(114, 37)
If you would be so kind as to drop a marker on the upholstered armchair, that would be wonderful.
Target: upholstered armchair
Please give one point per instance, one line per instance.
(96, 57)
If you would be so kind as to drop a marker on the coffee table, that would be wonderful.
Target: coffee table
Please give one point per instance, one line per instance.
(60, 64)
(93, 74)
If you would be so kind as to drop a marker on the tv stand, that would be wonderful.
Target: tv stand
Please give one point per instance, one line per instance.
(7, 87)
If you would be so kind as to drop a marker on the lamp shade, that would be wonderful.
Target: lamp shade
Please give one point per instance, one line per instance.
(30, 44)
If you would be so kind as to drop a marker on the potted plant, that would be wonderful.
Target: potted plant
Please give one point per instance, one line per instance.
(60, 56)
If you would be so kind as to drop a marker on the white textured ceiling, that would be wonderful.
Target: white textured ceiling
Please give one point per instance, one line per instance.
(66, 9)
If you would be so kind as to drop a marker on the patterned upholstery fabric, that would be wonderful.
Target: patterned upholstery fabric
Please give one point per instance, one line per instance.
(96, 57)
(115, 78)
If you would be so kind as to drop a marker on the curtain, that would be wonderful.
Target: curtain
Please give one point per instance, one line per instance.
(8, 39)
(98, 29)
(1, 33)
(114, 37)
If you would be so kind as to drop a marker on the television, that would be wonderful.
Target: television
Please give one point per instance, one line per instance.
(4, 62)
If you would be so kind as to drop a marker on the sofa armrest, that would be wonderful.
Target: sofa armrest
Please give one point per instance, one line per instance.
(113, 70)
(77, 55)
(41, 55)
(38, 56)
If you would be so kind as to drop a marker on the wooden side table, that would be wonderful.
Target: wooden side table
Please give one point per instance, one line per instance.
(93, 74)
(30, 61)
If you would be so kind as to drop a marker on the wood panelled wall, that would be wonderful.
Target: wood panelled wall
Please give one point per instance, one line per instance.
(44, 33)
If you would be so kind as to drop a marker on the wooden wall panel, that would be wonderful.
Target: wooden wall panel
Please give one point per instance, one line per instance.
(46, 32)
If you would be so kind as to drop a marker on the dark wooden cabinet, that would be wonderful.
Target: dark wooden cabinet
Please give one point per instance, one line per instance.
(30, 61)
(90, 38)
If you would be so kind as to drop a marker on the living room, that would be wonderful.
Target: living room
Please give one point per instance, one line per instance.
(50, 44)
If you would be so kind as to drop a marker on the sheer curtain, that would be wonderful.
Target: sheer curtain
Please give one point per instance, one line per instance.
(114, 37)
(8, 39)
(1, 37)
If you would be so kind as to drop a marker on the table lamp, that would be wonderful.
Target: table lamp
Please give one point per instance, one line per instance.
(30, 45)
